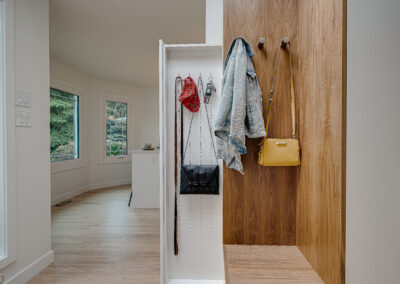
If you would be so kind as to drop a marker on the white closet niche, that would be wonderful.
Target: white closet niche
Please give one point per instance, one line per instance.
(200, 257)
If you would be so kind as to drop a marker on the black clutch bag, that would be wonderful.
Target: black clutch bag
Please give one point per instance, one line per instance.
(199, 179)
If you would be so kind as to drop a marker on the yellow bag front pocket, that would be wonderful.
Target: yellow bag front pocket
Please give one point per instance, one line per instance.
(279, 152)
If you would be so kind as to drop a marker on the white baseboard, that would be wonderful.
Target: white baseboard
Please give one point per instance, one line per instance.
(68, 195)
(32, 269)
(189, 281)
(110, 184)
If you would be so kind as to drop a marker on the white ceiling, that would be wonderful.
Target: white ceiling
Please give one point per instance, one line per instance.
(117, 40)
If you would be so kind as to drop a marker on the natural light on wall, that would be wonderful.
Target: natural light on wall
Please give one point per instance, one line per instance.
(2, 138)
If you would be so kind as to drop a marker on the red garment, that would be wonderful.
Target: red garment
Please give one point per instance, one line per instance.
(189, 96)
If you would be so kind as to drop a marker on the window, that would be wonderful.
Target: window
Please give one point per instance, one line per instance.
(64, 126)
(116, 129)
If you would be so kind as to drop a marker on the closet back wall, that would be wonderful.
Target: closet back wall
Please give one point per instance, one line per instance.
(302, 206)
(260, 206)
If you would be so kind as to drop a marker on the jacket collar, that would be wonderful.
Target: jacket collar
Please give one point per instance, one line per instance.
(247, 45)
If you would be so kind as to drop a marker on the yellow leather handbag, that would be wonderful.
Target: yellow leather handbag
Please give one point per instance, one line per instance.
(280, 152)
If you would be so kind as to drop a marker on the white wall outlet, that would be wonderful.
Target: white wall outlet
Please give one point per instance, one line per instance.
(23, 99)
(23, 117)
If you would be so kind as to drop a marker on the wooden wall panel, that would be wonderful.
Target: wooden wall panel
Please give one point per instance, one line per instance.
(260, 207)
(321, 182)
(303, 206)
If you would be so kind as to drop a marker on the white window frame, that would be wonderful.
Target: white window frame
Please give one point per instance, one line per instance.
(10, 233)
(103, 98)
(62, 166)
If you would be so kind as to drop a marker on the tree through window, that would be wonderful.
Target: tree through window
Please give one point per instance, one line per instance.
(64, 126)
(116, 129)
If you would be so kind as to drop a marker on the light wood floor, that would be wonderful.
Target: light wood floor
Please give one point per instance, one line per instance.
(98, 239)
(267, 265)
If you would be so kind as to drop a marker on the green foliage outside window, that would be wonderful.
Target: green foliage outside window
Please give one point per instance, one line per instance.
(117, 128)
(64, 126)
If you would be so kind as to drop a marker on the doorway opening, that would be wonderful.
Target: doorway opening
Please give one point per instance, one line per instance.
(104, 135)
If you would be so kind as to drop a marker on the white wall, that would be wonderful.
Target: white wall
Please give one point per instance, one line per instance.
(103, 175)
(214, 21)
(68, 183)
(373, 155)
(32, 144)
(149, 116)
(94, 174)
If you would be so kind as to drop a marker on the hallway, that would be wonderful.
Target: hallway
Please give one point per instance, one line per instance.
(97, 238)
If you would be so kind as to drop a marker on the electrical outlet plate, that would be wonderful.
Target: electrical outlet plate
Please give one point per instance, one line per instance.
(23, 117)
(23, 99)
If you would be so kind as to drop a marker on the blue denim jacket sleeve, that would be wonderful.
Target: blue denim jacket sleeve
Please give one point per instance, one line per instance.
(240, 109)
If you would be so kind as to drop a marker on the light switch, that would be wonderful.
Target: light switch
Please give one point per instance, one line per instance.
(23, 117)
(23, 99)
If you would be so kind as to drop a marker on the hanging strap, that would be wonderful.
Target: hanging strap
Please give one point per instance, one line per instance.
(293, 107)
(200, 86)
(178, 80)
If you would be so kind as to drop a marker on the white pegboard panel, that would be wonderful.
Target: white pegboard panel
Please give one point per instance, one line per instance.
(199, 216)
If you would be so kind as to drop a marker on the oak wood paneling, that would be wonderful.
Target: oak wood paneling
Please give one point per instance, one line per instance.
(321, 182)
(305, 205)
(260, 206)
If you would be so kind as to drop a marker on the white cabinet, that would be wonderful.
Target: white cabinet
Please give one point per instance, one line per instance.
(145, 179)
(199, 217)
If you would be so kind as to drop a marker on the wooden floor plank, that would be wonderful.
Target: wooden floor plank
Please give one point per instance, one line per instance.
(98, 239)
(248, 264)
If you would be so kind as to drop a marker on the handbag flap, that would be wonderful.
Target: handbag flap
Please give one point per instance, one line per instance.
(279, 152)
(199, 175)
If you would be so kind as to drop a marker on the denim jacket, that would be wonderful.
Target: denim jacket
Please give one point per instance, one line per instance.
(240, 109)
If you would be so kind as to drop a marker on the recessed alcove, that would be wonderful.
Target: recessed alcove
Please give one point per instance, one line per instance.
(303, 206)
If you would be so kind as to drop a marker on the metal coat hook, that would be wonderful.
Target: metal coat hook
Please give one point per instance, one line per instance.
(261, 42)
(284, 42)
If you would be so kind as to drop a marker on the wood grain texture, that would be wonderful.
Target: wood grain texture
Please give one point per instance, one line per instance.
(98, 239)
(267, 265)
(320, 228)
(260, 207)
(287, 206)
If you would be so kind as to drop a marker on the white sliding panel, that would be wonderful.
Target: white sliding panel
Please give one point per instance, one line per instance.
(163, 197)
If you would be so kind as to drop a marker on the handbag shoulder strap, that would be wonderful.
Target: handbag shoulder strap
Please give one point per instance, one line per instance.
(293, 107)
(200, 86)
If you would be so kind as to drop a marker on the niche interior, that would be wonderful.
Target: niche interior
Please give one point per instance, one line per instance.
(292, 207)
(199, 217)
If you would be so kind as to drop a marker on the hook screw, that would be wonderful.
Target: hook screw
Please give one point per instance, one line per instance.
(261, 42)
(285, 41)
